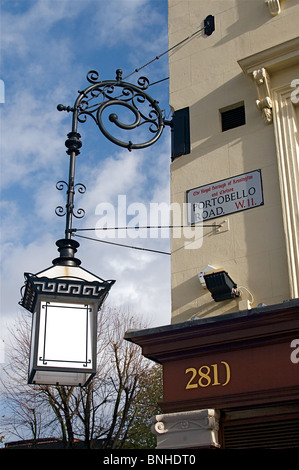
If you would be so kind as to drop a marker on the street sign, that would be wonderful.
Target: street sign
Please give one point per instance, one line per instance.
(224, 197)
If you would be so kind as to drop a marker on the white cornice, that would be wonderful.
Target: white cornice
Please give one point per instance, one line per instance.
(259, 67)
(275, 58)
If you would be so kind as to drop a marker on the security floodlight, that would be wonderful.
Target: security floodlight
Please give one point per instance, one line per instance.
(221, 285)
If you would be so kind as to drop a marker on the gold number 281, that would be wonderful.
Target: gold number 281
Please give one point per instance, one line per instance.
(207, 375)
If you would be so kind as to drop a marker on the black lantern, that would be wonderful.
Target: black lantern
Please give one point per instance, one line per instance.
(64, 300)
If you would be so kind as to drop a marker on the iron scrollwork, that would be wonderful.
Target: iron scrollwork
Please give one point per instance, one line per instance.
(60, 211)
(100, 95)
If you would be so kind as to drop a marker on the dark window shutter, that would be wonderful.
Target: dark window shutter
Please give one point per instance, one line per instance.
(180, 133)
(275, 434)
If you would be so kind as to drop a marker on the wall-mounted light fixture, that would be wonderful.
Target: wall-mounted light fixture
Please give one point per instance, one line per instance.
(202, 273)
(221, 285)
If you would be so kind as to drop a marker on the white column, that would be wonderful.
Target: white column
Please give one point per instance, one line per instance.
(191, 429)
(286, 127)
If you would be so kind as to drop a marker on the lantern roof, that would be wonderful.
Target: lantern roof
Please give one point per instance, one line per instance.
(64, 281)
(69, 272)
(66, 278)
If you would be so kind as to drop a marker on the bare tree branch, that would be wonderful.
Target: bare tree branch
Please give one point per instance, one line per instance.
(106, 409)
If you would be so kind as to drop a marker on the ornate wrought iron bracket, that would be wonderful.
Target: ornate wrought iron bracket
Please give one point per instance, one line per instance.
(101, 96)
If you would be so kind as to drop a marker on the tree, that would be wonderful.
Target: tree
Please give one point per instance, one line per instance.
(114, 409)
(138, 433)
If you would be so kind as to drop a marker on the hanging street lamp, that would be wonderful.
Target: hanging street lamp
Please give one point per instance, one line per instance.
(64, 299)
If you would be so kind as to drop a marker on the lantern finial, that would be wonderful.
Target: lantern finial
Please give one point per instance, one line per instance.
(67, 249)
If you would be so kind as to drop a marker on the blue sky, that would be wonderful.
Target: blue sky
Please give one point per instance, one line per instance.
(47, 48)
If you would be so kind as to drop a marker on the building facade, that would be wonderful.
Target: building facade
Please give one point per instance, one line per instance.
(239, 88)
(231, 353)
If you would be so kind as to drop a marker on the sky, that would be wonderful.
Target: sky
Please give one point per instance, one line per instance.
(47, 49)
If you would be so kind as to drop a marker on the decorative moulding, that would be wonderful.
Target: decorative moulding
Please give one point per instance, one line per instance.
(285, 127)
(191, 429)
(264, 102)
(275, 58)
(261, 65)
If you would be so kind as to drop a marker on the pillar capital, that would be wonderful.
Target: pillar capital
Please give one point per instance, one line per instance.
(191, 429)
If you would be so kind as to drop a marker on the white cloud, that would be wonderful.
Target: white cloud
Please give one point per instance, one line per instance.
(22, 27)
(117, 174)
(116, 21)
(142, 279)
(32, 138)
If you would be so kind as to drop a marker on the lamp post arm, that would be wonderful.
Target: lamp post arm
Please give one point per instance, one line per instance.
(142, 110)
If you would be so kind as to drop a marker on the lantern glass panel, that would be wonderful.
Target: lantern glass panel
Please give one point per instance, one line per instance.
(65, 335)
